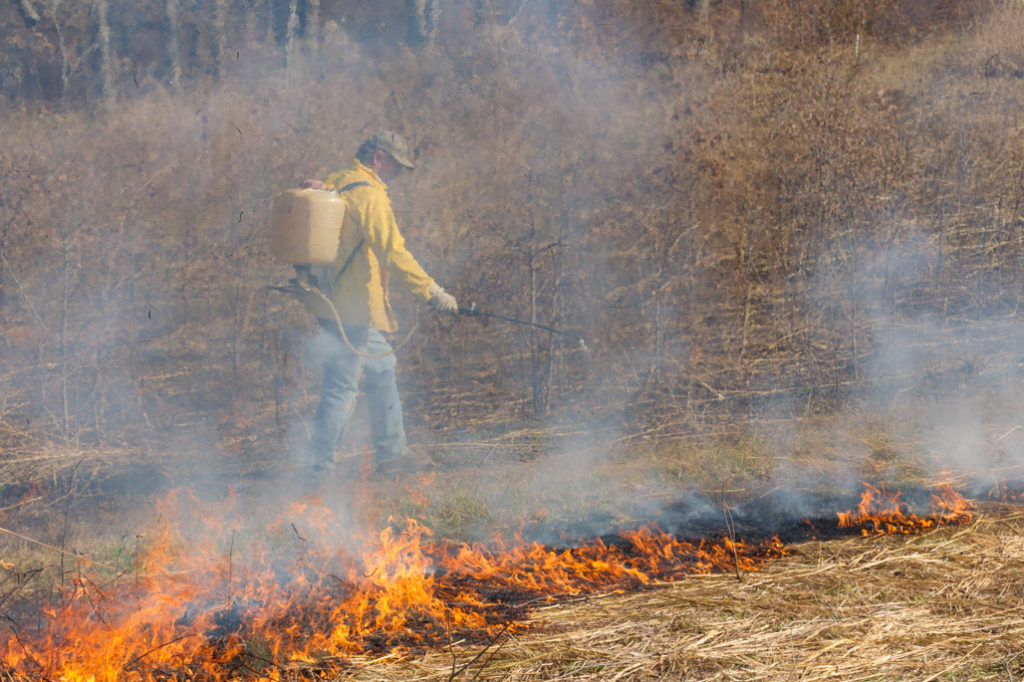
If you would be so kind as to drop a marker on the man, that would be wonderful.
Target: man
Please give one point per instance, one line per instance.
(371, 253)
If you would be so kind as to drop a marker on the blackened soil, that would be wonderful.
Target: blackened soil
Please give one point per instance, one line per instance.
(790, 516)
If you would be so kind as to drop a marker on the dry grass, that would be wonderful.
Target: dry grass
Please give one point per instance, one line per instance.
(913, 607)
(615, 170)
(943, 605)
(880, 259)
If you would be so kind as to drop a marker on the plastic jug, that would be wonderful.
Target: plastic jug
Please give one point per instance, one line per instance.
(305, 226)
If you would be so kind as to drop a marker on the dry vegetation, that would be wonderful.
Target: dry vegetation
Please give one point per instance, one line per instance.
(941, 606)
(762, 212)
(791, 233)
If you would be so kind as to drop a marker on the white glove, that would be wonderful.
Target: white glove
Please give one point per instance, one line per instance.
(441, 301)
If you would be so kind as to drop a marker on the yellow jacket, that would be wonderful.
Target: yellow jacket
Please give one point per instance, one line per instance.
(360, 293)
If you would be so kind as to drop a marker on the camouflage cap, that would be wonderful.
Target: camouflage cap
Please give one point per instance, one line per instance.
(392, 143)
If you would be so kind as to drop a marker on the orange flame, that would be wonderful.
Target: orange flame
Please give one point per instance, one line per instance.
(882, 512)
(312, 593)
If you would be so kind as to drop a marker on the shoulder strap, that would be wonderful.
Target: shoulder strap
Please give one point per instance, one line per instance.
(351, 256)
(353, 185)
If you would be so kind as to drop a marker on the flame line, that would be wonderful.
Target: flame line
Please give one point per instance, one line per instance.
(420, 590)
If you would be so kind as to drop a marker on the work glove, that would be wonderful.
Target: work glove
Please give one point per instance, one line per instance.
(441, 301)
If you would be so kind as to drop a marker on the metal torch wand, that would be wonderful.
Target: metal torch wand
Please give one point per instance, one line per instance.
(473, 311)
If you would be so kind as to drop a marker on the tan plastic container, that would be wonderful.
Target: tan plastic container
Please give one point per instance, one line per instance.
(305, 226)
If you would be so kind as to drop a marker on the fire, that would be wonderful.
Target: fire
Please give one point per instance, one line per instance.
(1002, 490)
(313, 595)
(882, 512)
(308, 594)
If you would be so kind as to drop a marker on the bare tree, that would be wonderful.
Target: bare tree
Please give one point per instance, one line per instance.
(173, 30)
(65, 301)
(63, 48)
(106, 62)
(291, 30)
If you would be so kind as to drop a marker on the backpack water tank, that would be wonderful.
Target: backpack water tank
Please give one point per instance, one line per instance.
(305, 226)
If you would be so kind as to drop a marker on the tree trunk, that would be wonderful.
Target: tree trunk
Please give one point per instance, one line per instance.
(291, 31)
(107, 94)
(64, 305)
(65, 68)
(173, 30)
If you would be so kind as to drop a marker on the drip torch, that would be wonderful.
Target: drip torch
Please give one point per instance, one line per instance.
(472, 311)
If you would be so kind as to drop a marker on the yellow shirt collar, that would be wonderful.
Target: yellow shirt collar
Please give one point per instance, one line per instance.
(372, 177)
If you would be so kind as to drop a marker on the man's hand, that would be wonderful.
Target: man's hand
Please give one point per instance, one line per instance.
(310, 183)
(441, 301)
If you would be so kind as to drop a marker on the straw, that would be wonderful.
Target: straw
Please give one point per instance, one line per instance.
(945, 604)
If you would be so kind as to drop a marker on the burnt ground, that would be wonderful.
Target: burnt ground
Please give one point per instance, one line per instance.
(790, 517)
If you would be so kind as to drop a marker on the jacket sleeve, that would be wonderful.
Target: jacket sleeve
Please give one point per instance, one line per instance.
(382, 236)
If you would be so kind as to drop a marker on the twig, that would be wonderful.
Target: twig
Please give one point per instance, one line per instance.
(451, 646)
(1009, 432)
(1006, 666)
(138, 559)
(707, 387)
(21, 292)
(18, 504)
(231, 554)
(67, 509)
(553, 599)
(955, 664)
(22, 580)
(57, 549)
(483, 651)
(731, 529)
(156, 648)
(95, 604)
(16, 634)
(285, 667)
(481, 668)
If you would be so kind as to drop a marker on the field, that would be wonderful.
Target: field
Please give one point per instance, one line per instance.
(790, 233)
(936, 607)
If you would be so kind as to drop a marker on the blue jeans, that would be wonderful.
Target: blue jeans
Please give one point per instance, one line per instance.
(343, 371)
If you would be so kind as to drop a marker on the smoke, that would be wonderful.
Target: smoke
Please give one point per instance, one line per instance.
(550, 183)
